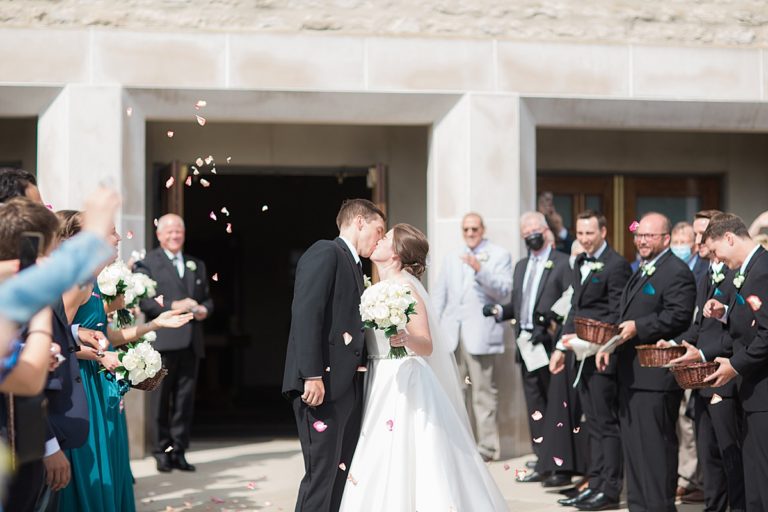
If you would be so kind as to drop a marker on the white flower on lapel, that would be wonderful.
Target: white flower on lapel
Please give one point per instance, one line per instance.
(482, 257)
(191, 265)
(717, 277)
(649, 269)
(738, 281)
(596, 266)
(366, 281)
(549, 264)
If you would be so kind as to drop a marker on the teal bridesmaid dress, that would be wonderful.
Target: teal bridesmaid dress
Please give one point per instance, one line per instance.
(101, 471)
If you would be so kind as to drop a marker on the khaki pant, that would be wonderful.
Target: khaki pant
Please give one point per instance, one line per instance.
(690, 475)
(481, 398)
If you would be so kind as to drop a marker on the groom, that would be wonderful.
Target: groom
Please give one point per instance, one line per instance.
(326, 347)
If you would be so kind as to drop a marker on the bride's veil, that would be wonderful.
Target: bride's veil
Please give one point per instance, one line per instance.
(442, 360)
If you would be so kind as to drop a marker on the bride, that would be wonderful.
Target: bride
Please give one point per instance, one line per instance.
(416, 451)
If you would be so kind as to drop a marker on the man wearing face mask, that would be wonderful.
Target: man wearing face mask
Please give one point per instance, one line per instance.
(479, 273)
(539, 280)
(684, 246)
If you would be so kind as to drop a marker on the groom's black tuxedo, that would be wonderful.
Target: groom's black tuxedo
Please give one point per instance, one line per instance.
(326, 340)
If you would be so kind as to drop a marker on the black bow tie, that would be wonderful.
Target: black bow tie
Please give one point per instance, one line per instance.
(585, 258)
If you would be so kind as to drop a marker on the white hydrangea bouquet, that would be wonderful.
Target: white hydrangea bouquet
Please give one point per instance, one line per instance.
(139, 362)
(117, 279)
(387, 306)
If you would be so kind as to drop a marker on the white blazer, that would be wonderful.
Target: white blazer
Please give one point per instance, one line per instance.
(460, 295)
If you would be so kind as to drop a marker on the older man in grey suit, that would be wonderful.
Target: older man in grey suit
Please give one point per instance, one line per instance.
(479, 273)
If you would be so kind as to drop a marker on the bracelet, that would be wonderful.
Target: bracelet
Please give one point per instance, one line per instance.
(39, 331)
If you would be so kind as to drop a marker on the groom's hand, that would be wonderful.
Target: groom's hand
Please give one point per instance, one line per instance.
(314, 392)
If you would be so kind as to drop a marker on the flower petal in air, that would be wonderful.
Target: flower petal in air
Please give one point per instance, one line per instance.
(537, 415)
(558, 461)
(319, 426)
(716, 399)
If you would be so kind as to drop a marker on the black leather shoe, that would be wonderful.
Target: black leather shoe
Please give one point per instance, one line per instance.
(570, 492)
(598, 501)
(180, 462)
(531, 464)
(163, 463)
(534, 476)
(556, 480)
(572, 501)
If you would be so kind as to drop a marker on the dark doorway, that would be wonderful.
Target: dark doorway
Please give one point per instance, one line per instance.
(275, 216)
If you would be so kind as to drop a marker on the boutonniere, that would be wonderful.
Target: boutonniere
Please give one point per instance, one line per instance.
(649, 269)
(738, 281)
(596, 266)
(549, 264)
(482, 257)
(191, 265)
(717, 277)
(366, 281)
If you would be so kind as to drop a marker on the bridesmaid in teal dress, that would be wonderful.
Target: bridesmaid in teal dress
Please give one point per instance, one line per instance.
(101, 472)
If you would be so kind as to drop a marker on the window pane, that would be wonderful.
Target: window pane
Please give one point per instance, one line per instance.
(594, 202)
(564, 206)
(676, 208)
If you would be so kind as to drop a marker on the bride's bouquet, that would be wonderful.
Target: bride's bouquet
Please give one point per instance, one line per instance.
(139, 362)
(387, 306)
(117, 279)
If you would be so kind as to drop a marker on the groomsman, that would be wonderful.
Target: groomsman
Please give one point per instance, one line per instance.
(480, 272)
(728, 239)
(657, 303)
(718, 423)
(538, 281)
(599, 277)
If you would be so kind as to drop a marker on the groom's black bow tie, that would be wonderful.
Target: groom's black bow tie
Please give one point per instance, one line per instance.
(585, 258)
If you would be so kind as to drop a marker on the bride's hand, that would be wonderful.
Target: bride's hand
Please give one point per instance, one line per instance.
(399, 339)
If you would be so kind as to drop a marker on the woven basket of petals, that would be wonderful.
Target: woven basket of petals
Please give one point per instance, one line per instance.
(692, 376)
(651, 356)
(151, 383)
(594, 331)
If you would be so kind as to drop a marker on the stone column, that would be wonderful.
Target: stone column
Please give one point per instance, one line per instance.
(90, 135)
(482, 159)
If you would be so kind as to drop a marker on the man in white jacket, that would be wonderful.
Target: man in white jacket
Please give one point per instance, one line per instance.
(479, 273)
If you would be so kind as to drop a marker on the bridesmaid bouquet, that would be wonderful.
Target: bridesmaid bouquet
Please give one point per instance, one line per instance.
(387, 306)
(138, 363)
(117, 279)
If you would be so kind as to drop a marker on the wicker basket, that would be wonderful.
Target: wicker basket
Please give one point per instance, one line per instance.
(594, 331)
(151, 383)
(652, 356)
(692, 376)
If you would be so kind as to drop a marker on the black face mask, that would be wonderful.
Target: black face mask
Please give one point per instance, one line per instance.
(535, 241)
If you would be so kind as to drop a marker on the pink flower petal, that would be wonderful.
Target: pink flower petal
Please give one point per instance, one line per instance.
(155, 222)
(199, 162)
(716, 399)
(558, 461)
(215, 277)
(362, 369)
(559, 424)
(343, 466)
(213, 170)
(538, 440)
(565, 404)
(169, 182)
(506, 467)
(251, 485)
(328, 369)
(159, 300)
(129, 111)
(205, 183)
(352, 479)
(576, 430)
(229, 227)
(169, 133)
(264, 208)
(195, 171)
(208, 159)
(633, 227)
(225, 211)
(229, 159)
(188, 181)
(200, 120)
(537, 415)
(200, 104)
(212, 216)
(217, 500)
(319, 426)
(129, 234)
(390, 425)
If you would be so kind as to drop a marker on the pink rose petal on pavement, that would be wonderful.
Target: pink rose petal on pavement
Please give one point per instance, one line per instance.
(537, 415)
(159, 300)
(169, 182)
(538, 440)
(200, 120)
(319, 426)
(633, 227)
(558, 461)
(343, 466)
(205, 183)
(214, 499)
(212, 216)
(188, 181)
(390, 425)
(251, 485)
(215, 277)
(506, 467)
(129, 234)
(716, 399)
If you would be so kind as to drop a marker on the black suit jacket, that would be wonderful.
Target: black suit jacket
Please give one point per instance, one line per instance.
(326, 306)
(748, 327)
(709, 334)
(700, 268)
(193, 285)
(68, 418)
(662, 307)
(554, 282)
(599, 297)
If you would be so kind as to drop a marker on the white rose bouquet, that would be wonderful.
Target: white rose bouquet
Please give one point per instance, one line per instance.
(142, 287)
(117, 279)
(387, 306)
(139, 363)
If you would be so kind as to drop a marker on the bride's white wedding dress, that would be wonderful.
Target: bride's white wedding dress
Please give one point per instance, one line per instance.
(416, 451)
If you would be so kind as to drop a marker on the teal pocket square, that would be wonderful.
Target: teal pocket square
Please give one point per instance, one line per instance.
(595, 280)
(648, 289)
(718, 292)
(740, 300)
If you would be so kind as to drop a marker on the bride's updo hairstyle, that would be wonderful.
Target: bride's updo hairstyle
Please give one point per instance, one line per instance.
(411, 246)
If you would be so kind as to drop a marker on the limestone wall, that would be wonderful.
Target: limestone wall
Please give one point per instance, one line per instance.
(698, 22)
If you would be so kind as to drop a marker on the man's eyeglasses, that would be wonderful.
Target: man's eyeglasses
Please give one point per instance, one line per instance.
(648, 236)
(472, 229)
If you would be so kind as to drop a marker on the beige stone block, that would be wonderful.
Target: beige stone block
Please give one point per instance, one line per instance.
(494, 159)
(296, 62)
(159, 59)
(430, 64)
(43, 56)
(563, 68)
(696, 73)
(448, 173)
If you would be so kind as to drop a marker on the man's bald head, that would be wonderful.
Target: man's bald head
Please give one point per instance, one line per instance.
(653, 235)
(170, 232)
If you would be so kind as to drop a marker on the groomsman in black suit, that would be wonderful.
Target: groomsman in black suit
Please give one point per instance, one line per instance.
(326, 346)
(719, 422)
(657, 303)
(537, 282)
(599, 277)
(746, 314)
(182, 282)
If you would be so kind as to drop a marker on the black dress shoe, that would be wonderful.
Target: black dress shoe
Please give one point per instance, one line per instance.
(534, 476)
(573, 500)
(180, 462)
(570, 492)
(598, 501)
(163, 463)
(557, 480)
(531, 464)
